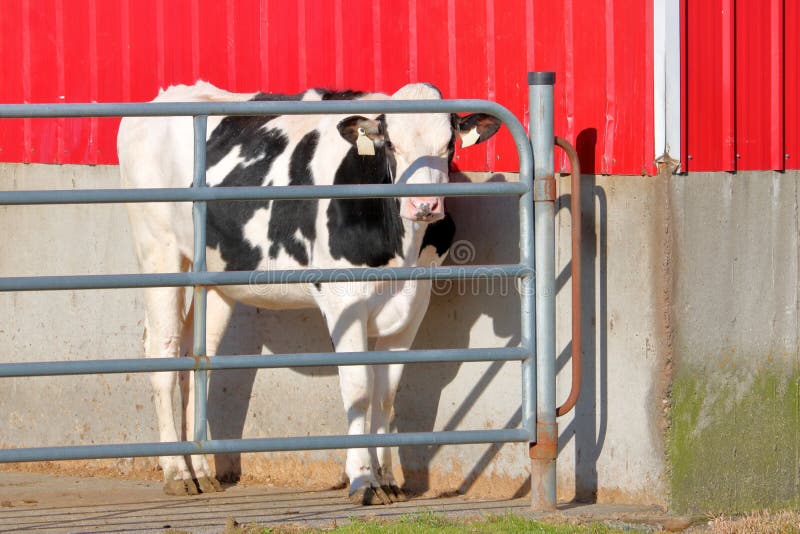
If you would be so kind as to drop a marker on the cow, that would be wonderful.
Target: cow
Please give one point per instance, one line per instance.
(275, 150)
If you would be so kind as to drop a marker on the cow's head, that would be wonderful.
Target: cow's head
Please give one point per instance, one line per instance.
(417, 149)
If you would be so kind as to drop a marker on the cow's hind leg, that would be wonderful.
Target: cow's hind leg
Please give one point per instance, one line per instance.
(218, 313)
(164, 322)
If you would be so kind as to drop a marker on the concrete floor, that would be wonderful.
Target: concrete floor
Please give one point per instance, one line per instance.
(43, 503)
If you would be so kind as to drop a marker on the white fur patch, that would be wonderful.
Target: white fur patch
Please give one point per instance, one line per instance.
(218, 172)
(255, 230)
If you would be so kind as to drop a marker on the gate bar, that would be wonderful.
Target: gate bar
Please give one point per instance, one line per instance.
(258, 361)
(266, 107)
(232, 278)
(277, 192)
(300, 443)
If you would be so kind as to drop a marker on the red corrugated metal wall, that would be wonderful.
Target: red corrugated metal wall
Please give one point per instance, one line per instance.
(741, 85)
(602, 52)
(123, 50)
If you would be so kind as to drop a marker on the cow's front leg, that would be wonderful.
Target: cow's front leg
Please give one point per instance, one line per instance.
(386, 378)
(356, 383)
(346, 321)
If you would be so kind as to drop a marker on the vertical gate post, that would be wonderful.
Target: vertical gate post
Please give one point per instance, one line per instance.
(199, 265)
(543, 452)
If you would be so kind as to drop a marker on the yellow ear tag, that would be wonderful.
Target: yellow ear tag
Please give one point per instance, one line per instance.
(364, 144)
(470, 138)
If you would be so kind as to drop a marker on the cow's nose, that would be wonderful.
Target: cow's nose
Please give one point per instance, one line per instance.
(425, 206)
(427, 209)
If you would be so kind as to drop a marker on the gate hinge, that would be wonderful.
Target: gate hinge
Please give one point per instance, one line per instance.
(546, 445)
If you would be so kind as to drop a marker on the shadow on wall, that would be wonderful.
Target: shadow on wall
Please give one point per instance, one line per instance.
(590, 422)
(229, 391)
(489, 229)
(454, 311)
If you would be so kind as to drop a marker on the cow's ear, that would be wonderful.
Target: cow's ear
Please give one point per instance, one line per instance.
(354, 126)
(476, 128)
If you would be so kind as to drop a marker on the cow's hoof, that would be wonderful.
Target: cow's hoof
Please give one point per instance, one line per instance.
(180, 487)
(229, 478)
(208, 484)
(394, 493)
(369, 496)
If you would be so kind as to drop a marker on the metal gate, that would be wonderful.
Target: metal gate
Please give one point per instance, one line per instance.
(537, 304)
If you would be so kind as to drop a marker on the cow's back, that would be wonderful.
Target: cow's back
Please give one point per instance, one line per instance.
(166, 143)
(157, 152)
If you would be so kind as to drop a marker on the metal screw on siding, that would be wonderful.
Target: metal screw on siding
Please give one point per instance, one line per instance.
(689, 156)
(738, 155)
(786, 156)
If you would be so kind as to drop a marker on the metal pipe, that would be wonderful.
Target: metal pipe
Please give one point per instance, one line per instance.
(528, 311)
(301, 443)
(199, 211)
(233, 278)
(278, 192)
(259, 361)
(543, 451)
(575, 218)
(294, 107)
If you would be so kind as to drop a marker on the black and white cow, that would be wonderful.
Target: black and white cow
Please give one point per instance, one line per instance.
(286, 234)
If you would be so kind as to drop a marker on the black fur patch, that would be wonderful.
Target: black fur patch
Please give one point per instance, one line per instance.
(226, 219)
(340, 95)
(440, 234)
(277, 97)
(289, 216)
(365, 231)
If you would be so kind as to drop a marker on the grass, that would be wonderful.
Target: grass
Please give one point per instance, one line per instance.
(763, 522)
(755, 523)
(429, 522)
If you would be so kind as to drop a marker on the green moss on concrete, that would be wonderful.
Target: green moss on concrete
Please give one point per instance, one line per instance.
(734, 439)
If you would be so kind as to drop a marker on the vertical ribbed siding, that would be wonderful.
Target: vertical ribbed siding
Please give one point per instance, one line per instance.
(759, 84)
(94, 89)
(740, 84)
(119, 50)
(602, 55)
(13, 26)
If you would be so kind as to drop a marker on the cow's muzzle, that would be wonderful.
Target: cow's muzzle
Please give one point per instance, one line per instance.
(423, 209)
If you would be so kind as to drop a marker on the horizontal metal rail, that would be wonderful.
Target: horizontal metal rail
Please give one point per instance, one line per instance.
(303, 443)
(259, 361)
(286, 192)
(258, 107)
(255, 278)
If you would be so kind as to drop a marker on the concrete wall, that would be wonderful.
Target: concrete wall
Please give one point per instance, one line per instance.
(678, 272)
(735, 399)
